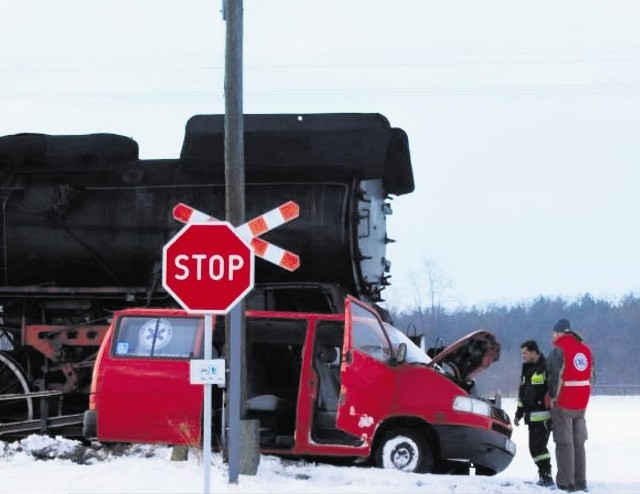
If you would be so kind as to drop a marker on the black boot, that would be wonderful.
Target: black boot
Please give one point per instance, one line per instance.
(545, 478)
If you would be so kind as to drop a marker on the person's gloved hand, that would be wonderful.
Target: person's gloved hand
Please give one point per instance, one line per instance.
(516, 421)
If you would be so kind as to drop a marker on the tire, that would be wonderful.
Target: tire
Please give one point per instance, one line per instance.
(406, 450)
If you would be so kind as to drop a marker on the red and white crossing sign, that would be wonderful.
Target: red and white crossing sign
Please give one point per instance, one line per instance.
(208, 267)
(250, 231)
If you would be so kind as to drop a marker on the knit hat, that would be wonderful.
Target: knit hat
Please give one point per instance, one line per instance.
(562, 326)
(531, 345)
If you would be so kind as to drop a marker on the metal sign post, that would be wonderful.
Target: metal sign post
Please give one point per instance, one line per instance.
(235, 389)
(207, 372)
(207, 423)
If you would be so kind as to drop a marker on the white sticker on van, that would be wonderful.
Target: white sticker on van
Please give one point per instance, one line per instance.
(122, 348)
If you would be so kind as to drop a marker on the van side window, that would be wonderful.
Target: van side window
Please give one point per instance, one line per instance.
(368, 334)
(159, 337)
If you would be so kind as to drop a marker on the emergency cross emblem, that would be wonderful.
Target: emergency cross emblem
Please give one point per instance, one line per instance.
(208, 266)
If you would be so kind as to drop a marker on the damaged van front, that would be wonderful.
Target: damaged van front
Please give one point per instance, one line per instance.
(468, 430)
(422, 414)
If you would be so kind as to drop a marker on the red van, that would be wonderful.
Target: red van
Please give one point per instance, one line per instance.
(321, 385)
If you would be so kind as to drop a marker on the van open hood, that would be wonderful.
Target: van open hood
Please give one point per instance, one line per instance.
(470, 355)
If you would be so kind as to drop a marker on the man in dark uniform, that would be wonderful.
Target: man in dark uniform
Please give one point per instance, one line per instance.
(532, 407)
(570, 370)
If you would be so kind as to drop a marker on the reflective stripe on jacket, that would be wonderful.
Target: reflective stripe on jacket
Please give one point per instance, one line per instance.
(586, 382)
(539, 416)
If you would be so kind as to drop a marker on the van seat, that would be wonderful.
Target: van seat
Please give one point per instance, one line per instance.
(329, 376)
(268, 403)
(276, 417)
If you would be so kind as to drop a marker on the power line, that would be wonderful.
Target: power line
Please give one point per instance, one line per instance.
(332, 61)
(587, 89)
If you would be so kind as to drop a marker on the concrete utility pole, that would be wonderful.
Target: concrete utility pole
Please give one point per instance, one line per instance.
(243, 434)
(233, 118)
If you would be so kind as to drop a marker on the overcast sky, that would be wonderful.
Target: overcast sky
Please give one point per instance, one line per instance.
(522, 117)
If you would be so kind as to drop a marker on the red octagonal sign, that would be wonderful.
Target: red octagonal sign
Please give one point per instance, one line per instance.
(207, 267)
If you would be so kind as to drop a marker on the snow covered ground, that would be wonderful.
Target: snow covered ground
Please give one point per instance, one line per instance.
(42, 465)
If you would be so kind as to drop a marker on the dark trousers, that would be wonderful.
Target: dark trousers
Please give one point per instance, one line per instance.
(538, 438)
(569, 434)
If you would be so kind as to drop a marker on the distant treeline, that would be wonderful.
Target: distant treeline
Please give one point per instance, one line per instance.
(612, 330)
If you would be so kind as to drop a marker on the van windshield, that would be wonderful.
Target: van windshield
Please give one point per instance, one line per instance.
(414, 354)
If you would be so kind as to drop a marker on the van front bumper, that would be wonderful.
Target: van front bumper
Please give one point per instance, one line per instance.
(482, 447)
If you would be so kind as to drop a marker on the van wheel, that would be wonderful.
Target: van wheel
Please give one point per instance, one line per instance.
(406, 450)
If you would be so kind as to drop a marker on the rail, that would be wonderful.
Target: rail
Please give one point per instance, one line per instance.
(33, 394)
(70, 422)
(40, 425)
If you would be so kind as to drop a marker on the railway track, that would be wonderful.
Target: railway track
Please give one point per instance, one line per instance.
(24, 412)
(64, 425)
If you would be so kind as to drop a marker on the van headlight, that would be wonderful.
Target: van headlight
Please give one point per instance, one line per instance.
(471, 405)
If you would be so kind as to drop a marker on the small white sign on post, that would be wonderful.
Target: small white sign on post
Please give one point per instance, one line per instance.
(207, 371)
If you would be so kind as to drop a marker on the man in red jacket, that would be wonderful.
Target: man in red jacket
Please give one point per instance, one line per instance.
(570, 375)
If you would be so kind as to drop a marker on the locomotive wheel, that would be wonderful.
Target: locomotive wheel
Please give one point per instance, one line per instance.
(14, 381)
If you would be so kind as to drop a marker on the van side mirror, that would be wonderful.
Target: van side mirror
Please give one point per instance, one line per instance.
(401, 353)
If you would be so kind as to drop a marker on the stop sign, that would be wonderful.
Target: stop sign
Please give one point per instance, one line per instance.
(207, 267)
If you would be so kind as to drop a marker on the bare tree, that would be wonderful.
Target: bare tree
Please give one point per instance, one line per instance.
(430, 279)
